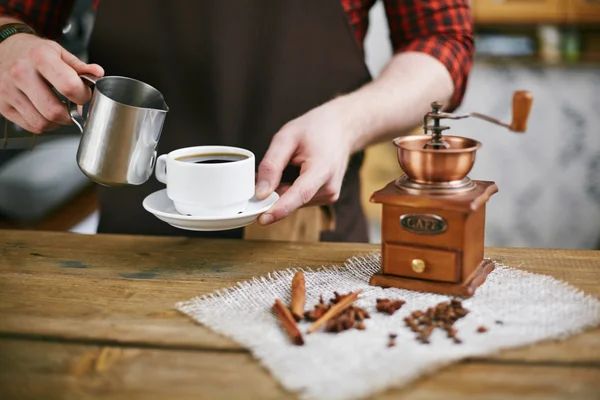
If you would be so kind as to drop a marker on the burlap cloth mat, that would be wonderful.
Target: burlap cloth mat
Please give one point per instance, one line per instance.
(355, 364)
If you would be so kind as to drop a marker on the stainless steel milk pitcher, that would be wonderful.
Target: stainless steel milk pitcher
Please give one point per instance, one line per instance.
(121, 131)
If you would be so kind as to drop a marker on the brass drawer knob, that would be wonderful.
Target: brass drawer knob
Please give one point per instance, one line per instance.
(418, 265)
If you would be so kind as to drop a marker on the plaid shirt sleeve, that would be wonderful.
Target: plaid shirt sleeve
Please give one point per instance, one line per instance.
(440, 28)
(46, 17)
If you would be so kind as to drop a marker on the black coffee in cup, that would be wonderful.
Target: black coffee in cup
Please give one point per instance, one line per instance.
(212, 158)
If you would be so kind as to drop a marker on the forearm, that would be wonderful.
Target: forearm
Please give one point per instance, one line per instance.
(8, 20)
(394, 103)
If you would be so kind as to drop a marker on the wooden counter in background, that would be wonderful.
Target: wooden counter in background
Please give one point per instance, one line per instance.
(92, 317)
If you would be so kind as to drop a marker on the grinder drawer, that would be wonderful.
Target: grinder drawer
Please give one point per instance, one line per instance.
(421, 263)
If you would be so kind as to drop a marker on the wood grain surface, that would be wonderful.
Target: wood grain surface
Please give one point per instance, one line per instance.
(92, 317)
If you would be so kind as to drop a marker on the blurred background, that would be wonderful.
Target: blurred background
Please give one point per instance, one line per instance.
(548, 179)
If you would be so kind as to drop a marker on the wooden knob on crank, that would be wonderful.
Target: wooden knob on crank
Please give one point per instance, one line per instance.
(522, 101)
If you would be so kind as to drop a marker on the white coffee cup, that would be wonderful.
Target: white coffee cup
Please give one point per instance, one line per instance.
(208, 188)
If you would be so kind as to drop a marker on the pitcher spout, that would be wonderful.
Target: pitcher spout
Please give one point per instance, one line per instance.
(165, 107)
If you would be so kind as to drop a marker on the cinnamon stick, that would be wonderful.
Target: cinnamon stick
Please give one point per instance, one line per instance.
(288, 322)
(335, 310)
(298, 295)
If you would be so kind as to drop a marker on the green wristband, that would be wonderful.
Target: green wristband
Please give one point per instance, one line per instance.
(8, 30)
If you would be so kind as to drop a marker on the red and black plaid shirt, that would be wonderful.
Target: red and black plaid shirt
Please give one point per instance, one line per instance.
(440, 28)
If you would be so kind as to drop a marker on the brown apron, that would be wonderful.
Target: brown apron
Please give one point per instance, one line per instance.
(233, 73)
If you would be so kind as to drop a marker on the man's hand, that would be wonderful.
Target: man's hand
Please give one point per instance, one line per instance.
(322, 140)
(29, 66)
(320, 143)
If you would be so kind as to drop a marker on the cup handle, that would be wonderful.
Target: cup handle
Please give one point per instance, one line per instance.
(77, 119)
(161, 169)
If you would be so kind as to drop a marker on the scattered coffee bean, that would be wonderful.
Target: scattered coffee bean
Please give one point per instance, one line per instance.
(392, 340)
(389, 306)
(421, 322)
(442, 316)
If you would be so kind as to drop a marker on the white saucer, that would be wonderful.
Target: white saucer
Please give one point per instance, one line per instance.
(162, 207)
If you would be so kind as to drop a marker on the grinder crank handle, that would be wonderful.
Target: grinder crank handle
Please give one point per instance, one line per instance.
(521, 107)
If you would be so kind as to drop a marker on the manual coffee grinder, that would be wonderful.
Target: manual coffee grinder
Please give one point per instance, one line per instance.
(433, 216)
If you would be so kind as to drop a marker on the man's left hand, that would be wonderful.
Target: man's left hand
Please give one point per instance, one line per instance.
(320, 143)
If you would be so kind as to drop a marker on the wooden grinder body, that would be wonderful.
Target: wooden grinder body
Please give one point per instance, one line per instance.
(433, 243)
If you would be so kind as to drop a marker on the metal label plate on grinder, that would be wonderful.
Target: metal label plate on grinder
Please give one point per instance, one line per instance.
(423, 224)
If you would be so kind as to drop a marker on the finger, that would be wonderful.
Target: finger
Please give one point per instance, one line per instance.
(321, 201)
(93, 69)
(277, 157)
(299, 194)
(36, 123)
(61, 75)
(281, 189)
(42, 98)
(11, 114)
(326, 195)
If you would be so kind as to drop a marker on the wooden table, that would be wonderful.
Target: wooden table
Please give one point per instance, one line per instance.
(90, 317)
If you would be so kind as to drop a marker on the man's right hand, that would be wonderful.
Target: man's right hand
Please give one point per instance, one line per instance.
(29, 66)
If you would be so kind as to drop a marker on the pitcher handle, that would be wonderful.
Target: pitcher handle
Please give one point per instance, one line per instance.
(90, 78)
(77, 119)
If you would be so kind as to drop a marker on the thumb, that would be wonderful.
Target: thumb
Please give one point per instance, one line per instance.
(282, 148)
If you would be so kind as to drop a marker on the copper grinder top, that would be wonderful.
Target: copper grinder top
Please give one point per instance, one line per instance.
(445, 161)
